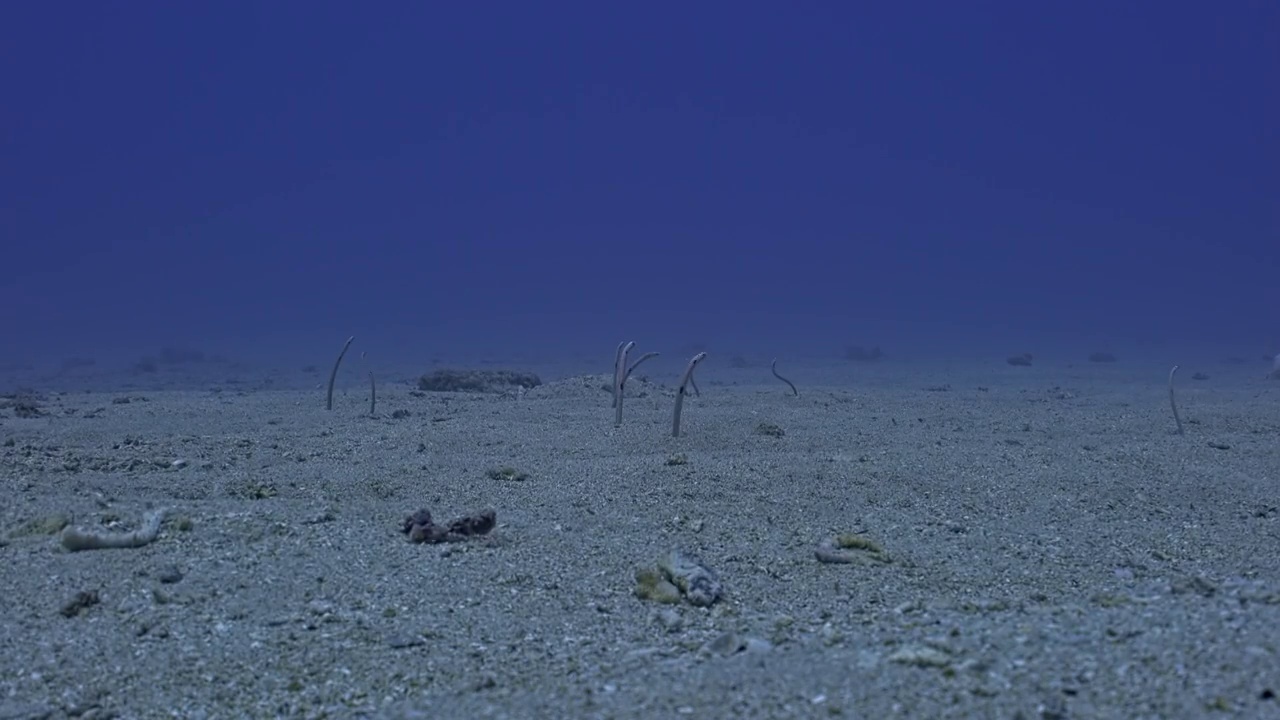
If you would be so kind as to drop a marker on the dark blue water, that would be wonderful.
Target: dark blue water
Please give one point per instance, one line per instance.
(258, 181)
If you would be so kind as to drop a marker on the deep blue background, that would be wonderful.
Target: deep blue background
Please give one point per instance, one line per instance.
(262, 179)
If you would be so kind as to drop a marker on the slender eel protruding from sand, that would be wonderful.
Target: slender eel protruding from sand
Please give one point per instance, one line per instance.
(620, 377)
(1173, 403)
(373, 386)
(622, 373)
(328, 403)
(774, 369)
(685, 380)
(74, 538)
(636, 364)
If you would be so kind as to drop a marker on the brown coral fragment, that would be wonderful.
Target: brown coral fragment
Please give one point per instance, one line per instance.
(421, 529)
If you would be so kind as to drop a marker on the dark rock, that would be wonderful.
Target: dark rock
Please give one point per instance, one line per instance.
(421, 517)
(81, 601)
(478, 524)
(857, 353)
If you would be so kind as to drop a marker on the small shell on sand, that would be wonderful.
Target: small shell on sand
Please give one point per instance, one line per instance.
(698, 582)
(678, 574)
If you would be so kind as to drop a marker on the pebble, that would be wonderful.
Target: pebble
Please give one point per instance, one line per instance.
(670, 620)
(402, 641)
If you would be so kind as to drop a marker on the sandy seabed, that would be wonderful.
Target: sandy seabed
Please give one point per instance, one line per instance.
(1051, 549)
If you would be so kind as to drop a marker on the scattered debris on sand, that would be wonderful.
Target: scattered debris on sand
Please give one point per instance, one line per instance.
(477, 381)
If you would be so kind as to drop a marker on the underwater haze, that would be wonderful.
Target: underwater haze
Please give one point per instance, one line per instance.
(259, 181)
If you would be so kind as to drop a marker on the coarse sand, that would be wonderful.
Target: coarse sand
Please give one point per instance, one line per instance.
(1048, 548)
